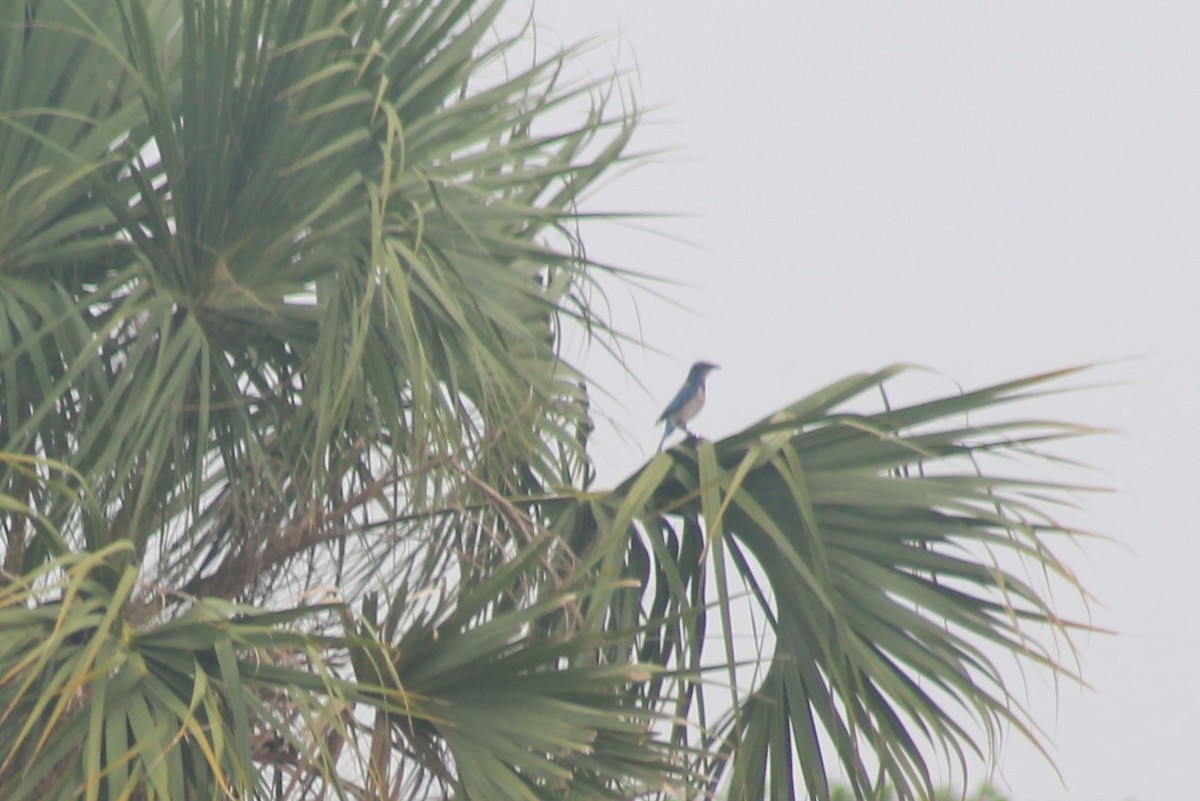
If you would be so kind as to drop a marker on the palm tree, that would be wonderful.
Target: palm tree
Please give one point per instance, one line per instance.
(296, 492)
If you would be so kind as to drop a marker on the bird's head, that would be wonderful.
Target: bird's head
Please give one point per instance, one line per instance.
(700, 370)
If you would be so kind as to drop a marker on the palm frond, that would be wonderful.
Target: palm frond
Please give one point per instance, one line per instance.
(331, 254)
(491, 706)
(889, 565)
(94, 698)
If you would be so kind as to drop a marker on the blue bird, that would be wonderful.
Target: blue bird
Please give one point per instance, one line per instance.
(687, 402)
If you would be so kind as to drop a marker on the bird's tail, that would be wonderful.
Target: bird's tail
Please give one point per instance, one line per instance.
(666, 433)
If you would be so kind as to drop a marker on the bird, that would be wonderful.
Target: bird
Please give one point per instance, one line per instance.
(687, 403)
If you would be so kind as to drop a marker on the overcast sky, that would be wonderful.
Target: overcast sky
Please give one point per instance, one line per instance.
(986, 189)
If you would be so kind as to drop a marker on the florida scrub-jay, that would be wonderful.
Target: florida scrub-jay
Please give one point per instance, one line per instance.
(687, 402)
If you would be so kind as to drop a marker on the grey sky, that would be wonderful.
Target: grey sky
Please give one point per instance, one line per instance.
(985, 189)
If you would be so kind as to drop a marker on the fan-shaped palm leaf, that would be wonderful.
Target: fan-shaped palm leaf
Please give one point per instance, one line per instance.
(888, 569)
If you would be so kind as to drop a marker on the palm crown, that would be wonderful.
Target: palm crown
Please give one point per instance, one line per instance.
(296, 477)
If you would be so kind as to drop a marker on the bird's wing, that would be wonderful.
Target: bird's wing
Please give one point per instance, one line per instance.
(677, 403)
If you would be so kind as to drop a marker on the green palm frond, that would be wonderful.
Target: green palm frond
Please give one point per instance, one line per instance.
(96, 699)
(888, 566)
(331, 253)
(491, 707)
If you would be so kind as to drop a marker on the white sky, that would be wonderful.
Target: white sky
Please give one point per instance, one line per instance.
(986, 189)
